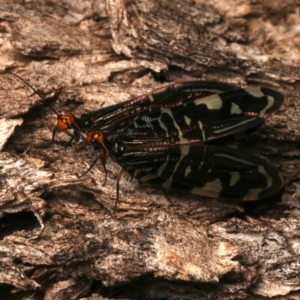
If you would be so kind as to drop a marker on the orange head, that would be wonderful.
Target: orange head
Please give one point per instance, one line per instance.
(95, 136)
(64, 122)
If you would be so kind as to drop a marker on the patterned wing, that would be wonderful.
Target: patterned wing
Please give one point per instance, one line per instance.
(209, 118)
(212, 171)
(117, 117)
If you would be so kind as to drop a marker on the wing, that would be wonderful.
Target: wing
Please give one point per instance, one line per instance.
(164, 143)
(212, 171)
(117, 117)
(208, 118)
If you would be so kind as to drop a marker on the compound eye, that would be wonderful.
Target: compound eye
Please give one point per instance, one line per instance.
(66, 120)
(94, 139)
(86, 121)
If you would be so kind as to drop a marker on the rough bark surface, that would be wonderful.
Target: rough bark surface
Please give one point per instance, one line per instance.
(82, 55)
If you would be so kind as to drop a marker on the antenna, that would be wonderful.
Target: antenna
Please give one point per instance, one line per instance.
(35, 91)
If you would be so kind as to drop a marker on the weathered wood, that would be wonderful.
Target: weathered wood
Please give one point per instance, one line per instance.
(100, 53)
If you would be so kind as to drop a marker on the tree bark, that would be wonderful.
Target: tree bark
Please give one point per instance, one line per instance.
(95, 53)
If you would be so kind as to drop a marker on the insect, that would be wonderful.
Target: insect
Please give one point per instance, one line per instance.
(167, 138)
(115, 117)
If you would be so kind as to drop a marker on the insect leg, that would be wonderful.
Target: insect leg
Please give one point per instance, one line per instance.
(167, 197)
(103, 163)
(90, 167)
(102, 158)
(118, 186)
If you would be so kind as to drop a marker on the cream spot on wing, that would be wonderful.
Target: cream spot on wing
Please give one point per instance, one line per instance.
(187, 171)
(257, 92)
(202, 130)
(235, 109)
(167, 184)
(253, 194)
(235, 177)
(211, 189)
(150, 96)
(211, 102)
(187, 120)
